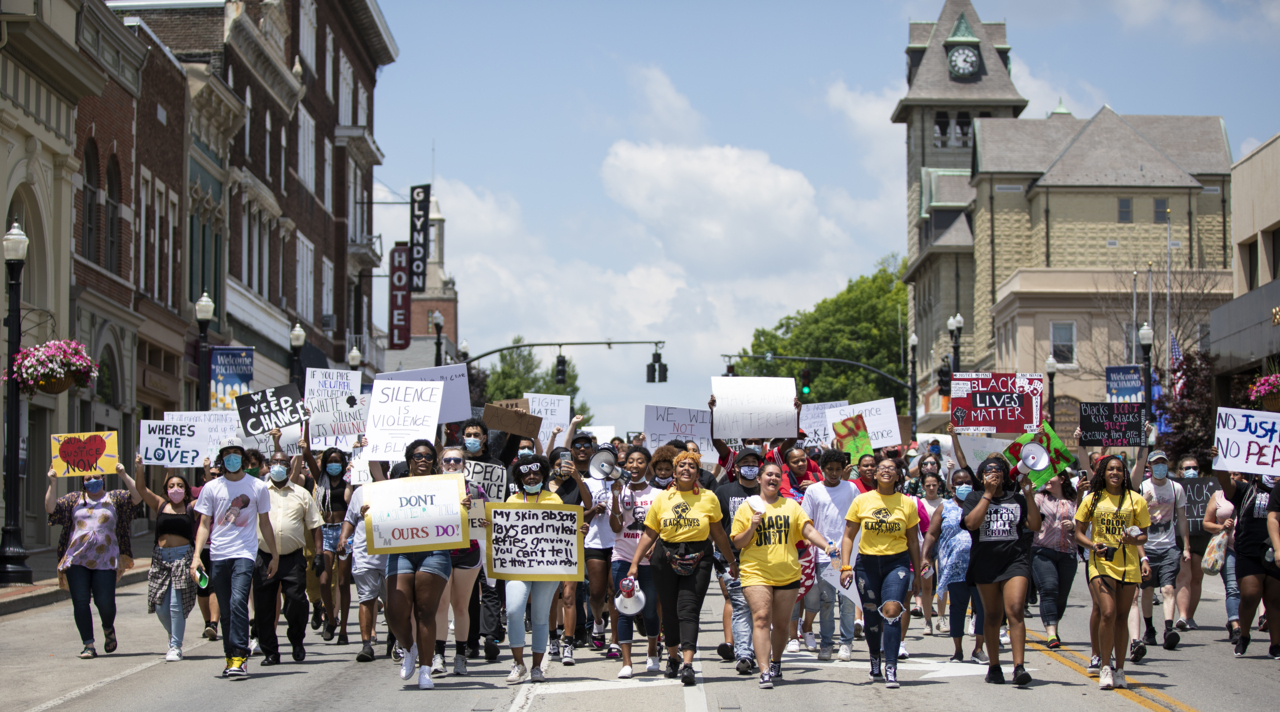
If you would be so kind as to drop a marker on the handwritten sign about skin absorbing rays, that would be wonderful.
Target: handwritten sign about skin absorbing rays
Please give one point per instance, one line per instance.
(852, 436)
(270, 408)
(996, 402)
(80, 454)
(1248, 441)
(754, 407)
(534, 542)
(814, 423)
(172, 444)
(1113, 424)
(416, 514)
(399, 413)
(663, 424)
(880, 416)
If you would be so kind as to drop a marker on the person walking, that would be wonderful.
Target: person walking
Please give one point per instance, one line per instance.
(954, 544)
(171, 594)
(627, 510)
(826, 506)
(1166, 505)
(294, 518)
(369, 571)
(744, 485)
(1219, 516)
(1053, 552)
(464, 569)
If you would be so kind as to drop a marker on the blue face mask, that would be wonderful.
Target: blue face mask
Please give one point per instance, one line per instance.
(333, 468)
(93, 486)
(935, 449)
(749, 472)
(232, 463)
(525, 453)
(753, 448)
(533, 489)
(1160, 471)
(278, 473)
(963, 492)
(473, 445)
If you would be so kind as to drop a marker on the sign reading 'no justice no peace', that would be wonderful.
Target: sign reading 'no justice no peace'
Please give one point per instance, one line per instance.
(996, 402)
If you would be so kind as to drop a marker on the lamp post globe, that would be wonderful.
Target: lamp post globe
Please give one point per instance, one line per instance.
(913, 342)
(1145, 337)
(204, 314)
(353, 358)
(297, 337)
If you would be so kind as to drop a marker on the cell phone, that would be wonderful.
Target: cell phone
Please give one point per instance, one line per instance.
(565, 459)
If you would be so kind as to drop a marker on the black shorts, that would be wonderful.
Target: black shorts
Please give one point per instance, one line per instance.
(1200, 543)
(788, 586)
(206, 591)
(1255, 566)
(605, 555)
(465, 558)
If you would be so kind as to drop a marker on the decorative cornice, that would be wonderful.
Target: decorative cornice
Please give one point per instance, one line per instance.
(261, 58)
(258, 192)
(216, 112)
(103, 36)
(45, 54)
(358, 140)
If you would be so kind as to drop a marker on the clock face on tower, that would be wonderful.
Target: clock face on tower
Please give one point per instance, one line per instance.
(963, 60)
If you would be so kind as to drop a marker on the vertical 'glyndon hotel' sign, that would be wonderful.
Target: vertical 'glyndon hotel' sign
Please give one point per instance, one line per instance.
(398, 298)
(419, 236)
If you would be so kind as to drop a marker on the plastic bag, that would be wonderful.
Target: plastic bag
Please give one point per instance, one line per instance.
(1215, 554)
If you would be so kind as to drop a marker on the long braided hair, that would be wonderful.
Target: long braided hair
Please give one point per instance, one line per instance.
(1098, 483)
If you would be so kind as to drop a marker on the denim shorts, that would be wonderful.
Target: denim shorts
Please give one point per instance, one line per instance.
(330, 533)
(429, 562)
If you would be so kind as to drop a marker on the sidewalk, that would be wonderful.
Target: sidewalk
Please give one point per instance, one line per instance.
(44, 569)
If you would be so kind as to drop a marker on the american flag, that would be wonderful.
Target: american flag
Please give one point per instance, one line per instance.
(1175, 361)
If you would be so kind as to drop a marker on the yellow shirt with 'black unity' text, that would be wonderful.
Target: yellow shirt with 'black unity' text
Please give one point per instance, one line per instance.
(771, 558)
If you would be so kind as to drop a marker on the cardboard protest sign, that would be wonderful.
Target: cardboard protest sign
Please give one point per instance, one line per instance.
(341, 416)
(219, 424)
(1247, 441)
(831, 575)
(416, 514)
(534, 542)
(512, 421)
(1059, 458)
(490, 478)
(852, 436)
(331, 383)
(904, 429)
(554, 410)
(399, 413)
(814, 423)
(270, 408)
(1199, 491)
(663, 424)
(172, 444)
(754, 407)
(880, 416)
(977, 449)
(514, 404)
(996, 402)
(80, 454)
(456, 406)
(1113, 424)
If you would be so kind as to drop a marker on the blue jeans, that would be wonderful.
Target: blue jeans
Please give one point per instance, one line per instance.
(644, 579)
(959, 595)
(539, 595)
(1053, 571)
(828, 597)
(230, 579)
(881, 580)
(170, 609)
(1231, 585)
(741, 621)
(100, 584)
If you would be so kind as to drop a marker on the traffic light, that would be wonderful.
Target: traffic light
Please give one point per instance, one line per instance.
(561, 370)
(804, 382)
(944, 379)
(728, 370)
(656, 371)
(662, 373)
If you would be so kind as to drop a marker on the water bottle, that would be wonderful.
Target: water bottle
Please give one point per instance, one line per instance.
(1270, 556)
(202, 579)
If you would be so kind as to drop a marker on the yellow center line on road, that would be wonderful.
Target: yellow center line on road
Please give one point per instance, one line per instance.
(1139, 693)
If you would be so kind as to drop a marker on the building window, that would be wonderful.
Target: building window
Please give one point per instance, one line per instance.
(307, 32)
(1202, 340)
(1162, 211)
(1063, 336)
(328, 63)
(363, 107)
(346, 87)
(1250, 266)
(964, 130)
(326, 174)
(89, 225)
(266, 136)
(307, 149)
(941, 129)
(326, 286)
(111, 260)
(284, 148)
(1275, 254)
(1125, 214)
(306, 278)
(144, 249)
(248, 120)
(264, 239)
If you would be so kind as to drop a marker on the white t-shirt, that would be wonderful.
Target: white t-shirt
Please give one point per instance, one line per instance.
(600, 535)
(827, 507)
(361, 559)
(635, 505)
(1163, 503)
(234, 508)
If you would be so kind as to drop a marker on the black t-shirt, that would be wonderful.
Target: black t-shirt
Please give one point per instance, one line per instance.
(732, 495)
(1002, 537)
(707, 480)
(1252, 503)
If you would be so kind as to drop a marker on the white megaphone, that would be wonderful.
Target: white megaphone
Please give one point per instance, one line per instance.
(630, 599)
(604, 464)
(1034, 458)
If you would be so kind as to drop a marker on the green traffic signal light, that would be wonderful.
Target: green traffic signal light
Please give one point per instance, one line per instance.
(804, 390)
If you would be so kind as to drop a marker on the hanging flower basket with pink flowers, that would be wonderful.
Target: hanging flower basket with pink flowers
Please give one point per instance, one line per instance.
(53, 367)
(1267, 390)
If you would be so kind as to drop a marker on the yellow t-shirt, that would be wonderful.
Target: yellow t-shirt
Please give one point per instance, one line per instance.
(1109, 520)
(683, 516)
(543, 497)
(771, 558)
(884, 522)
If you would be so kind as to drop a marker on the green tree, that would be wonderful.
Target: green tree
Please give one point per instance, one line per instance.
(519, 371)
(861, 324)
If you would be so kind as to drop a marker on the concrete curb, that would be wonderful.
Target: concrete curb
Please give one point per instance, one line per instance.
(45, 593)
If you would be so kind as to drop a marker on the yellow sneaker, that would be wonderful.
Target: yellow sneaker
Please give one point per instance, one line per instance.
(227, 668)
(238, 668)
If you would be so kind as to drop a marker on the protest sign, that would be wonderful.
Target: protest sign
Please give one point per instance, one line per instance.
(1247, 441)
(1113, 424)
(534, 542)
(360, 472)
(814, 423)
(456, 406)
(230, 375)
(996, 402)
(341, 416)
(514, 404)
(219, 425)
(852, 436)
(754, 407)
(330, 383)
(512, 421)
(80, 454)
(1124, 384)
(904, 428)
(977, 449)
(554, 410)
(663, 424)
(270, 408)
(831, 575)
(490, 478)
(416, 514)
(1199, 491)
(880, 416)
(1059, 458)
(172, 444)
(602, 433)
(399, 413)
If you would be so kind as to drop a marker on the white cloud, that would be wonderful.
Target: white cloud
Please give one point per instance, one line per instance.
(1045, 90)
(667, 113)
(1248, 145)
(1197, 20)
(880, 216)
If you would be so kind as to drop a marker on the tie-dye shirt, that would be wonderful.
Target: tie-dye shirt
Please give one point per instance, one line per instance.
(95, 533)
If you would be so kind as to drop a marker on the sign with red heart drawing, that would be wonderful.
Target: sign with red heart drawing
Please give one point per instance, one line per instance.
(80, 454)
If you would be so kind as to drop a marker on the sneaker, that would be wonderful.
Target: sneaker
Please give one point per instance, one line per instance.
(329, 630)
(536, 675)
(1181, 624)
(625, 673)
(614, 652)
(517, 674)
(1274, 652)
(597, 642)
(394, 652)
(891, 677)
(957, 658)
(857, 629)
(1095, 664)
(652, 664)
(824, 653)
(437, 664)
(1105, 679)
(846, 654)
(810, 643)
(1004, 637)
(491, 649)
(225, 669)
(1171, 639)
(725, 651)
(673, 668)
(174, 655)
(89, 654)
(995, 675)
(1054, 643)
(424, 678)
(211, 630)
(253, 646)
(366, 654)
(1149, 638)
(775, 670)
(687, 676)
(553, 650)
(1191, 624)
(793, 646)
(1118, 680)
(1021, 677)
(875, 668)
(239, 668)
(766, 682)
(743, 667)
(566, 654)
(1242, 645)
(943, 625)
(1233, 634)
(1137, 650)
(459, 665)
(979, 657)
(408, 661)
(902, 652)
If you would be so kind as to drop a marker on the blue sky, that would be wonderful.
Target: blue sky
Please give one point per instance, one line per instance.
(692, 171)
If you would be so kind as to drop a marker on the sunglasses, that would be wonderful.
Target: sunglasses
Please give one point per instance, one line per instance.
(452, 461)
(420, 456)
(581, 446)
(532, 467)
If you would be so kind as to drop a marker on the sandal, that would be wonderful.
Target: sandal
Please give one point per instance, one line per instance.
(110, 644)
(88, 653)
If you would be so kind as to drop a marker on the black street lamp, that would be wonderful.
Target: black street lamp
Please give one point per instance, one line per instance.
(437, 320)
(913, 342)
(1145, 337)
(353, 358)
(297, 338)
(955, 325)
(1051, 368)
(204, 315)
(13, 555)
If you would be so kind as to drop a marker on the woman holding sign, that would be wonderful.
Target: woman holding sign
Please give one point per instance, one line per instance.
(171, 594)
(766, 531)
(465, 565)
(678, 530)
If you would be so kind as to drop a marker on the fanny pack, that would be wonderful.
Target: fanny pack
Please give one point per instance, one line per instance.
(685, 556)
